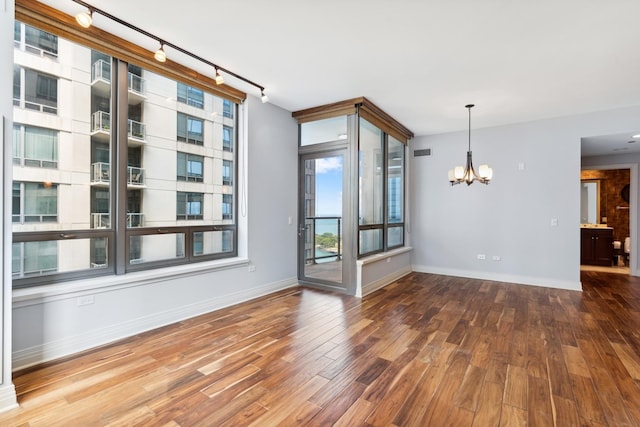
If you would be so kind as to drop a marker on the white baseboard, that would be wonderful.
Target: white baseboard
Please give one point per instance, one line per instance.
(94, 338)
(8, 397)
(508, 278)
(384, 281)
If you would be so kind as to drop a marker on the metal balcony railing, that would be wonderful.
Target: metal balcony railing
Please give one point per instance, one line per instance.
(316, 226)
(136, 130)
(100, 220)
(102, 71)
(100, 172)
(100, 121)
(135, 176)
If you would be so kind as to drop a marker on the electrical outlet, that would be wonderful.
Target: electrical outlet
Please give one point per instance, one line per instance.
(252, 268)
(482, 256)
(496, 258)
(85, 300)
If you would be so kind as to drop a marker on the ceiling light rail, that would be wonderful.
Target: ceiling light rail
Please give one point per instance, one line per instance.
(85, 20)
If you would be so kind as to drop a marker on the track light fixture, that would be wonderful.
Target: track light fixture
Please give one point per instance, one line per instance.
(468, 174)
(219, 79)
(160, 55)
(84, 19)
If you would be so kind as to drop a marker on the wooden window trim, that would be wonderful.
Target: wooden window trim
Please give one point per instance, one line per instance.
(365, 109)
(51, 20)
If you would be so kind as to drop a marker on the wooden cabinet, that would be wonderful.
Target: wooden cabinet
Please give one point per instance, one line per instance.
(596, 246)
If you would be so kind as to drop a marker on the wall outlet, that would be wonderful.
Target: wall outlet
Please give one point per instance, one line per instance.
(482, 256)
(85, 300)
(496, 257)
(252, 268)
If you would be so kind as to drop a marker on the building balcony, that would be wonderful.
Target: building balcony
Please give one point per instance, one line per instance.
(101, 82)
(101, 175)
(135, 177)
(101, 128)
(103, 220)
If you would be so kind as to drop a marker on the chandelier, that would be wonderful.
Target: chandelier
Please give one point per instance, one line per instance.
(468, 174)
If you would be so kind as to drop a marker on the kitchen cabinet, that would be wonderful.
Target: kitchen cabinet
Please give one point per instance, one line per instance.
(596, 246)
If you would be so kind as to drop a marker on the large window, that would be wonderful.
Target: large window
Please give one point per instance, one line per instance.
(381, 199)
(76, 211)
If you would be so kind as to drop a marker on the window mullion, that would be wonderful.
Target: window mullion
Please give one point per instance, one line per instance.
(119, 144)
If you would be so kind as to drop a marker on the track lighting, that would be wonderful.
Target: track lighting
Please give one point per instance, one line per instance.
(84, 19)
(160, 54)
(219, 79)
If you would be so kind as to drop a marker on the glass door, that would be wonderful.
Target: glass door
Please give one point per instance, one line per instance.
(321, 245)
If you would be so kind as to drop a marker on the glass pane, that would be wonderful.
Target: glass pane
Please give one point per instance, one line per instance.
(322, 247)
(395, 236)
(45, 257)
(370, 241)
(213, 242)
(371, 174)
(326, 130)
(395, 181)
(156, 247)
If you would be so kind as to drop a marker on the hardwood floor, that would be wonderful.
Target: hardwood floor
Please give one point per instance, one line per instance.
(427, 350)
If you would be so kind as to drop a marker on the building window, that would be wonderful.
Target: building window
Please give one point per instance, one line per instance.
(35, 41)
(35, 146)
(104, 236)
(227, 108)
(190, 95)
(190, 129)
(227, 172)
(189, 205)
(34, 202)
(227, 138)
(227, 206)
(381, 198)
(35, 90)
(190, 167)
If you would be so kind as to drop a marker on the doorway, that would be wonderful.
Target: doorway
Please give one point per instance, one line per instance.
(321, 227)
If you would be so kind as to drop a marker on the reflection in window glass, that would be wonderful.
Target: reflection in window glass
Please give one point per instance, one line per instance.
(371, 174)
(213, 242)
(395, 180)
(325, 130)
(156, 247)
(370, 241)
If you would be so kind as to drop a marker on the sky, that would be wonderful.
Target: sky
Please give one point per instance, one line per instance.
(329, 186)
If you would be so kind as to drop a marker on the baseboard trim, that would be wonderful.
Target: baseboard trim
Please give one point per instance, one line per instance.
(67, 346)
(507, 278)
(8, 399)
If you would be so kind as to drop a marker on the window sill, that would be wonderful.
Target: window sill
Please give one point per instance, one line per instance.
(383, 255)
(58, 291)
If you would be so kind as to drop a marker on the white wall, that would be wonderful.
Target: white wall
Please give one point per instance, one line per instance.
(7, 391)
(512, 216)
(50, 324)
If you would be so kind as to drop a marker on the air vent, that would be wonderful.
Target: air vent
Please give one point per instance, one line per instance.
(423, 152)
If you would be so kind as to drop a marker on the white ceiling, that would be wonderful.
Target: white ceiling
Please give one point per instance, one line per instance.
(419, 60)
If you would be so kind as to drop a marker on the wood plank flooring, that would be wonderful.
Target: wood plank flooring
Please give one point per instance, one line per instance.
(427, 350)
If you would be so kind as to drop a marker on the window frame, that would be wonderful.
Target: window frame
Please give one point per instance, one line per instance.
(48, 19)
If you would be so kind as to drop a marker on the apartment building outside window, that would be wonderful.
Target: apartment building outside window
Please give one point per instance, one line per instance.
(227, 172)
(227, 108)
(66, 179)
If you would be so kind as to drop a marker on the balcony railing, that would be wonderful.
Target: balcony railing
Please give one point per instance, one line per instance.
(316, 227)
(136, 130)
(100, 220)
(135, 176)
(101, 122)
(135, 220)
(102, 71)
(103, 220)
(100, 173)
(31, 105)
